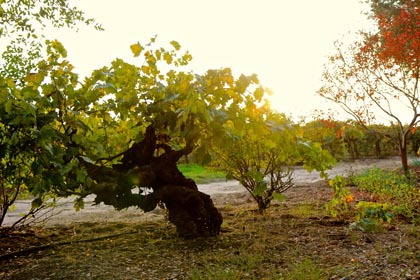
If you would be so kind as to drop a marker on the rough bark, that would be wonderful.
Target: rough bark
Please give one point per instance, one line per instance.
(191, 211)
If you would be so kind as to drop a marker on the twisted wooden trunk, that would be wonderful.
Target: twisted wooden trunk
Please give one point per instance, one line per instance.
(191, 211)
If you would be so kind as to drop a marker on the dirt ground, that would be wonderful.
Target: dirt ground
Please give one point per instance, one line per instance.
(295, 239)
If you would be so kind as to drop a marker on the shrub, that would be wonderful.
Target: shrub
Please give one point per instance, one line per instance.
(385, 182)
(383, 195)
(393, 188)
(342, 197)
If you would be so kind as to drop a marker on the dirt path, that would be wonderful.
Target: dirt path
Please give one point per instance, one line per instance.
(229, 192)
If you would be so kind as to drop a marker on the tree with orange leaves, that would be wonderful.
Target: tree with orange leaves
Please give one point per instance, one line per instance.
(380, 73)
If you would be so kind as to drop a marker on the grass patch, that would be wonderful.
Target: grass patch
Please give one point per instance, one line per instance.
(306, 210)
(306, 270)
(200, 174)
(230, 267)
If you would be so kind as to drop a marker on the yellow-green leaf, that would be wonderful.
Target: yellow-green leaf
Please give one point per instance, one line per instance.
(167, 57)
(11, 83)
(176, 45)
(145, 69)
(158, 54)
(136, 49)
(259, 93)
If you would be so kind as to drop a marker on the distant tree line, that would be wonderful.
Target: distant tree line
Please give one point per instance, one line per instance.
(348, 140)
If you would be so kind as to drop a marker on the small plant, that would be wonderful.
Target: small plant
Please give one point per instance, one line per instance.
(260, 154)
(342, 196)
(370, 215)
(374, 210)
(367, 225)
(416, 161)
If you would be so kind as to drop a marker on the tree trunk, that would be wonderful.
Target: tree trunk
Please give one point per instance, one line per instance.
(191, 211)
(404, 156)
(403, 153)
(3, 211)
(378, 148)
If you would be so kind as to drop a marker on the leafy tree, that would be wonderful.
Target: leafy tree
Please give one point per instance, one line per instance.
(374, 140)
(415, 141)
(14, 142)
(381, 72)
(327, 133)
(120, 133)
(23, 27)
(260, 151)
(352, 137)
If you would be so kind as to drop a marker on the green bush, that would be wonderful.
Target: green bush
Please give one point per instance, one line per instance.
(392, 188)
(385, 182)
(383, 197)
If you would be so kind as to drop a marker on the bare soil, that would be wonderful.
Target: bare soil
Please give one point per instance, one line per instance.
(295, 239)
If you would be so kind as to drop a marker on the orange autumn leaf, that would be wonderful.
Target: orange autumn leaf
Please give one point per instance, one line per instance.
(349, 198)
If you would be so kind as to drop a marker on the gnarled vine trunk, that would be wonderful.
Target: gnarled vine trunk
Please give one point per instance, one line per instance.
(191, 211)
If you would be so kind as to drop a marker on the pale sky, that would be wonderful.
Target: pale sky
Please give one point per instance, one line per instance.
(284, 42)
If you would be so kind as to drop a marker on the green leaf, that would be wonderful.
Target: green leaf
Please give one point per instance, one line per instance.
(48, 147)
(36, 203)
(78, 203)
(256, 175)
(9, 106)
(81, 175)
(87, 159)
(3, 96)
(29, 93)
(46, 132)
(260, 188)
(77, 139)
